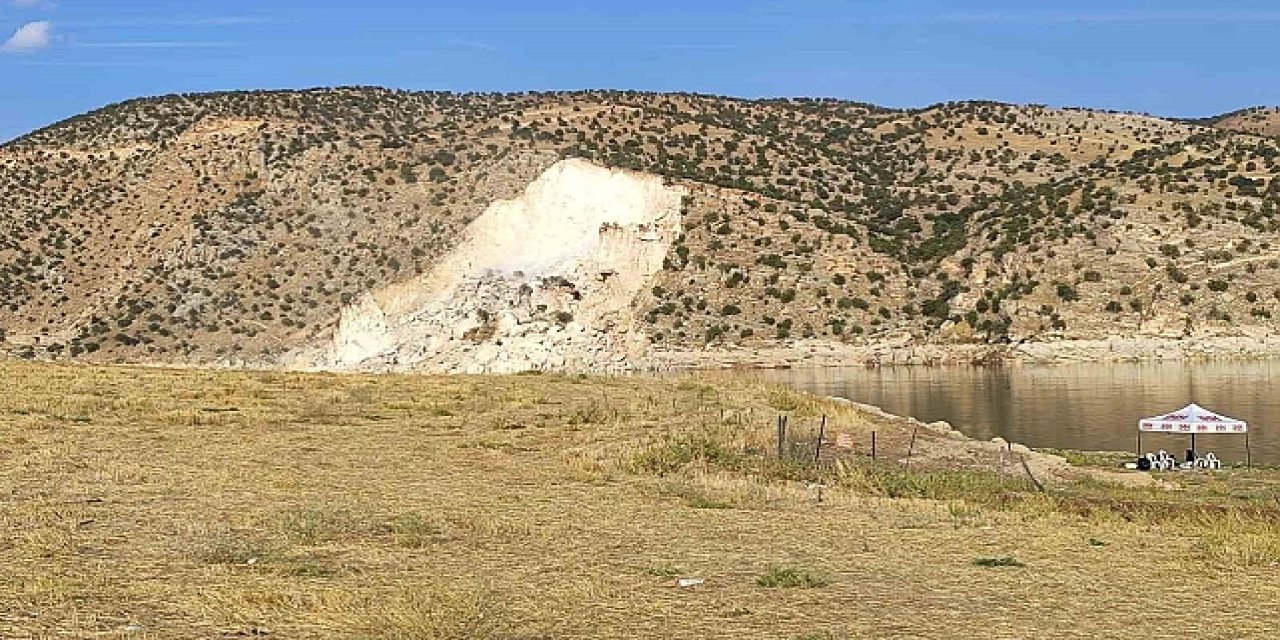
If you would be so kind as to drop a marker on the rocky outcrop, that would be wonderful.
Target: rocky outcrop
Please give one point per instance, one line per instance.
(544, 281)
(942, 446)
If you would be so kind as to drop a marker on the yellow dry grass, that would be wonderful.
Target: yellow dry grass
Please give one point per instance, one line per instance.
(148, 503)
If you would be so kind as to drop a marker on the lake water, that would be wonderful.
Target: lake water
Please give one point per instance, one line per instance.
(1085, 406)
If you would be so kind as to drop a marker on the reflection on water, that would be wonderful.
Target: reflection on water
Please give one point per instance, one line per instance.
(1086, 406)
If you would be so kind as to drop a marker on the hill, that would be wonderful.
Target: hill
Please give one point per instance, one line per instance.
(346, 228)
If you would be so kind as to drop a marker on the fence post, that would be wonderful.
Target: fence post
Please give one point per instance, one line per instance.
(912, 447)
(786, 423)
(778, 429)
(817, 449)
(1248, 453)
(1027, 468)
(782, 435)
(873, 446)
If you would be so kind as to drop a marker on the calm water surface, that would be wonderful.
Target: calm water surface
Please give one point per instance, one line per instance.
(1086, 406)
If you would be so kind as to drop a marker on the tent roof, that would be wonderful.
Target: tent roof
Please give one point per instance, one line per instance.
(1192, 419)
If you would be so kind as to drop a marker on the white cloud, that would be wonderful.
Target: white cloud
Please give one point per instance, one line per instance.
(476, 45)
(216, 21)
(156, 44)
(1151, 16)
(226, 21)
(32, 36)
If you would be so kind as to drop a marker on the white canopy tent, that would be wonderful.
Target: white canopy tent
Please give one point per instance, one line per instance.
(1193, 420)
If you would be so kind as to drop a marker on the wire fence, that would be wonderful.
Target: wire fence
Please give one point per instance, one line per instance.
(817, 442)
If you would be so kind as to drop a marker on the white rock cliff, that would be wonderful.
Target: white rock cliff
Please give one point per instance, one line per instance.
(544, 281)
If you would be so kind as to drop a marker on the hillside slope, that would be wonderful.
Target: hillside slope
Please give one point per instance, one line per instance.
(239, 228)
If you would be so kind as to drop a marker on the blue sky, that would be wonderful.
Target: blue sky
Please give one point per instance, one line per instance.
(1170, 57)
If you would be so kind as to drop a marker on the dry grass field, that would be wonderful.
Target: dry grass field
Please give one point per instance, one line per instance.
(151, 503)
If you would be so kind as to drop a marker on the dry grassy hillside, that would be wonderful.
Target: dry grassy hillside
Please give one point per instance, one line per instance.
(230, 228)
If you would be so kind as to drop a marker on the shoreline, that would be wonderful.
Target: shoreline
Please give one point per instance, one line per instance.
(1049, 467)
(822, 354)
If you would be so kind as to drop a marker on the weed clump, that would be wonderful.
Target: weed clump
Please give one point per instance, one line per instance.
(412, 531)
(1007, 561)
(436, 613)
(226, 547)
(663, 571)
(790, 578)
(673, 454)
(1240, 541)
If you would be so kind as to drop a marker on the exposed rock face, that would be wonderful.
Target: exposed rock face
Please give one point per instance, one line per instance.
(544, 281)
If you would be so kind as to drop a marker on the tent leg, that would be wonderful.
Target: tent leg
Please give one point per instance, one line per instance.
(1193, 445)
